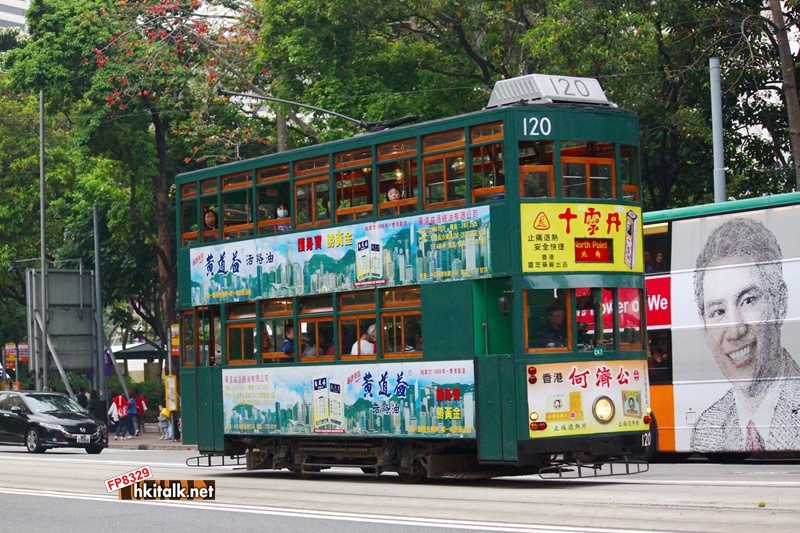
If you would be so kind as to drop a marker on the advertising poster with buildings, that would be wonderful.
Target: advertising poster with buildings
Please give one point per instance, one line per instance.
(431, 399)
(581, 238)
(450, 245)
(565, 393)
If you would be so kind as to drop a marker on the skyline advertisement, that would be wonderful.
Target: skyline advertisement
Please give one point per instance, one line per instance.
(431, 399)
(424, 248)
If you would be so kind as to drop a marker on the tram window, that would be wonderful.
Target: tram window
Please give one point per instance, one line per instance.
(315, 339)
(189, 233)
(445, 139)
(629, 172)
(210, 219)
(241, 347)
(357, 300)
(269, 196)
(574, 176)
(316, 304)
(312, 202)
(354, 194)
(402, 336)
(237, 216)
(659, 357)
(487, 132)
(189, 340)
(630, 308)
(444, 177)
(241, 311)
(595, 318)
(402, 177)
(548, 317)
(488, 178)
(536, 181)
(273, 332)
(351, 330)
(209, 335)
(401, 296)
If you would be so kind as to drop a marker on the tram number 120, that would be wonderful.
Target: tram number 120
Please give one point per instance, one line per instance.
(536, 126)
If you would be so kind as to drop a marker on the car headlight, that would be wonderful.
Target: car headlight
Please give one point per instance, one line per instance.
(603, 409)
(57, 427)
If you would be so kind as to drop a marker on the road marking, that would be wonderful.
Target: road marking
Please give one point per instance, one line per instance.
(331, 515)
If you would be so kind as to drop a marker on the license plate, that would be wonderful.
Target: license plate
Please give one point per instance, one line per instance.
(83, 439)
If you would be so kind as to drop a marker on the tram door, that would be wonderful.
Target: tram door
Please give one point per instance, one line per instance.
(204, 402)
(494, 378)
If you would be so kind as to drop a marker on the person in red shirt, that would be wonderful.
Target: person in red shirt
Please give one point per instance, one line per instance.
(141, 409)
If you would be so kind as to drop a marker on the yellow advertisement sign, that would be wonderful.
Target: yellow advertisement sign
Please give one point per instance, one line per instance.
(580, 398)
(581, 237)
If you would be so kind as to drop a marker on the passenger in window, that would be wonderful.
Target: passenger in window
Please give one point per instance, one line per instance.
(366, 344)
(660, 264)
(393, 194)
(649, 268)
(309, 349)
(288, 342)
(282, 211)
(210, 221)
(553, 333)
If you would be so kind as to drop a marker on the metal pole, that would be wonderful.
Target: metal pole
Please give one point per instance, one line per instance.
(98, 303)
(44, 366)
(716, 128)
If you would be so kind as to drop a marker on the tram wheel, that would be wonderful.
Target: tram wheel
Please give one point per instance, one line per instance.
(416, 474)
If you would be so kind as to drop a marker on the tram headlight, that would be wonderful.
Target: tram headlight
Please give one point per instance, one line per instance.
(603, 409)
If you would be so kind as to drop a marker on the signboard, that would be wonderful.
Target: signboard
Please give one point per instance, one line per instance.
(565, 394)
(431, 399)
(424, 248)
(171, 392)
(559, 237)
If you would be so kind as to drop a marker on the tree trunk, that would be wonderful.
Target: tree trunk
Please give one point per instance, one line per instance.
(789, 86)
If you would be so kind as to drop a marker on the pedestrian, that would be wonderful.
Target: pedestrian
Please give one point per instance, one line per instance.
(141, 409)
(83, 401)
(163, 422)
(126, 410)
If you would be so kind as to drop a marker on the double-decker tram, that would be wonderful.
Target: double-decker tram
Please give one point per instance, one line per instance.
(723, 319)
(458, 297)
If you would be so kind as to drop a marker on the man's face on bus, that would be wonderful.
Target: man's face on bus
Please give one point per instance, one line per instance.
(741, 329)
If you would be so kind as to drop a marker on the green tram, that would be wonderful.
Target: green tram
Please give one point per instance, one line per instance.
(457, 297)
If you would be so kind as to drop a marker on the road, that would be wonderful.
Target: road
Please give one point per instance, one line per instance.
(67, 487)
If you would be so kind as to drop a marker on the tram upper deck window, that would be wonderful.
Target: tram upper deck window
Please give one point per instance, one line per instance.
(398, 179)
(444, 175)
(273, 189)
(189, 234)
(536, 169)
(629, 172)
(587, 170)
(237, 216)
(488, 177)
(311, 191)
(354, 194)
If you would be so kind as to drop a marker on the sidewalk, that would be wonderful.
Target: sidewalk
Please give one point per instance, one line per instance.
(149, 440)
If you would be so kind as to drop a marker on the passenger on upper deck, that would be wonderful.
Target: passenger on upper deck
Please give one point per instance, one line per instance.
(282, 211)
(210, 221)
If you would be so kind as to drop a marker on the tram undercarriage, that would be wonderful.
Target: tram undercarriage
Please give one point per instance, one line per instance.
(413, 460)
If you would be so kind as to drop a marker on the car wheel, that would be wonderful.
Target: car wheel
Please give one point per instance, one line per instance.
(94, 450)
(32, 441)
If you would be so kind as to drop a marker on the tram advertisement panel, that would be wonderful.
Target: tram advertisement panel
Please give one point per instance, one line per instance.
(736, 331)
(566, 396)
(581, 237)
(430, 399)
(424, 248)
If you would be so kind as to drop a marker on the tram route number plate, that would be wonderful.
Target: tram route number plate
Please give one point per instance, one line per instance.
(647, 439)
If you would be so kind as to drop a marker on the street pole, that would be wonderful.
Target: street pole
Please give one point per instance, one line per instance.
(102, 391)
(44, 363)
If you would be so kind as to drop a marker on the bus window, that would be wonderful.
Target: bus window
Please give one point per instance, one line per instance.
(659, 357)
(548, 315)
(656, 249)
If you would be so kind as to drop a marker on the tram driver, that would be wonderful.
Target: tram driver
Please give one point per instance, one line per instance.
(553, 333)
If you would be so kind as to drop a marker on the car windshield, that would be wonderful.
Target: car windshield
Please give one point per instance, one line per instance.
(43, 403)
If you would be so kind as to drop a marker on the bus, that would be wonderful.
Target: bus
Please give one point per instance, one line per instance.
(425, 300)
(723, 328)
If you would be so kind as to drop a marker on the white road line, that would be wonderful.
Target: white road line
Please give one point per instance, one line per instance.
(330, 515)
